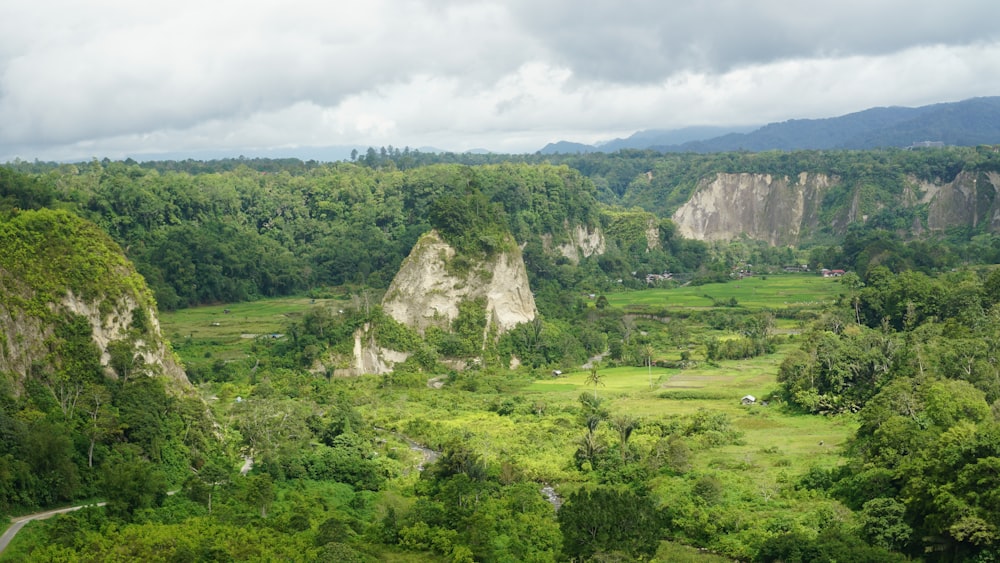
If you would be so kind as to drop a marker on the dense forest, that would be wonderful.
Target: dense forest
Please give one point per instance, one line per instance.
(901, 360)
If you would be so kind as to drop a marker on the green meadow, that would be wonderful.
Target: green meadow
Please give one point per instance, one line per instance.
(781, 291)
(202, 335)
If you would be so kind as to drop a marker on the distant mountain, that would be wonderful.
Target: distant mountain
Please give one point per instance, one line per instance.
(967, 123)
(660, 137)
(645, 139)
(567, 147)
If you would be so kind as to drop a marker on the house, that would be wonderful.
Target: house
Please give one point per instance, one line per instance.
(748, 400)
(831, 273)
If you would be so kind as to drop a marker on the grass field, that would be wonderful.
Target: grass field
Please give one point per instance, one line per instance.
(771, 292)
(211, 332)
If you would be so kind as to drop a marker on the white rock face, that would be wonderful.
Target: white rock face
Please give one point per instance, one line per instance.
(967, 200)
(760, 206)
(23, 336)
(585, 242)
(425, 294)
(371, 358)
(114, 326)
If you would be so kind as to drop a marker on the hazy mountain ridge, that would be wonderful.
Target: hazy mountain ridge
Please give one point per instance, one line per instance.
(966, 123)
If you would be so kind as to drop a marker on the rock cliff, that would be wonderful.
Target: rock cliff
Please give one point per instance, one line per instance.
(969, 200)
(63, 282)
(760, 206)
(584, 242)
(426, 293)
(780, 210)
(428, 290)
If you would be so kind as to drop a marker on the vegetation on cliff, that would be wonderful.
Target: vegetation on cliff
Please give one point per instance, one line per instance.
(74, 427)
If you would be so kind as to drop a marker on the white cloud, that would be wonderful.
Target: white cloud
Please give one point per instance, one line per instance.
(113, 77)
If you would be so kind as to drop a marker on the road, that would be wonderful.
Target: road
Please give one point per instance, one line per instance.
(19, 522)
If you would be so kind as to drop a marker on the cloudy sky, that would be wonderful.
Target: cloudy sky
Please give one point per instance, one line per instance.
(117, 78)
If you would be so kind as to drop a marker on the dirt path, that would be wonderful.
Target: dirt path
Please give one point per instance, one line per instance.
(247, 465)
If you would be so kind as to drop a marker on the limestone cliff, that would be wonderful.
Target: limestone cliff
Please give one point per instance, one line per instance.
(584, 242)
(780, 209)
(760, 206)
(969, 200)
(63, 283)
(425, 293)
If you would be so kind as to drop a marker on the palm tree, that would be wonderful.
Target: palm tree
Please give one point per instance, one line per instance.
(647, 351)
(624, 424)
(595, 379)
(589, 446)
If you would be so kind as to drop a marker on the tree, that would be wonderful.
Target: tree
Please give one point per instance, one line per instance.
(606, 520)
(883, 524)
(213, 474)
(647, 353)
(595, 379)
(624, 425)
(102, 419)
(260, 492)
(131, 484)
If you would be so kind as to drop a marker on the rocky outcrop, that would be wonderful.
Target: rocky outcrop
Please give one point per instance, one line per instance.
(64, 282)
(371, 358)
(780, 210)
(969, 200)
(584, 242)
(149, 350)
(26, 339)
(759, 206)
(425, 293)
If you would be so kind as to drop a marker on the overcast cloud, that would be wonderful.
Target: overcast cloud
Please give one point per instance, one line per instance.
(117, 78)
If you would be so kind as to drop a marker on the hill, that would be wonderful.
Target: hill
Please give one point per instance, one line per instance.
(966, 123)
(92, 396)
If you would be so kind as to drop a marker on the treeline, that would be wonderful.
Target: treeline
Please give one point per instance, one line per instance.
(240, 234)
(243, 234)
(917, 358)
(238, 229)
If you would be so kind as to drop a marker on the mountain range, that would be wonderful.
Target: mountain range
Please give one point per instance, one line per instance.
(966, 123)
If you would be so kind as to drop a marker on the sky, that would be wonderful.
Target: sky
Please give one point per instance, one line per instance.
(83, 79)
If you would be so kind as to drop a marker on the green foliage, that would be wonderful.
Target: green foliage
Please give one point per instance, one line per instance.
(831, 545)
(53, 252)
(130, 483)
(471, 224)
(605, 520)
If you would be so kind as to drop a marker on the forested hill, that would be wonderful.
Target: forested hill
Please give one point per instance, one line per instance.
(231, 235)
(965, 123)
(225, 231)
(93, 402)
